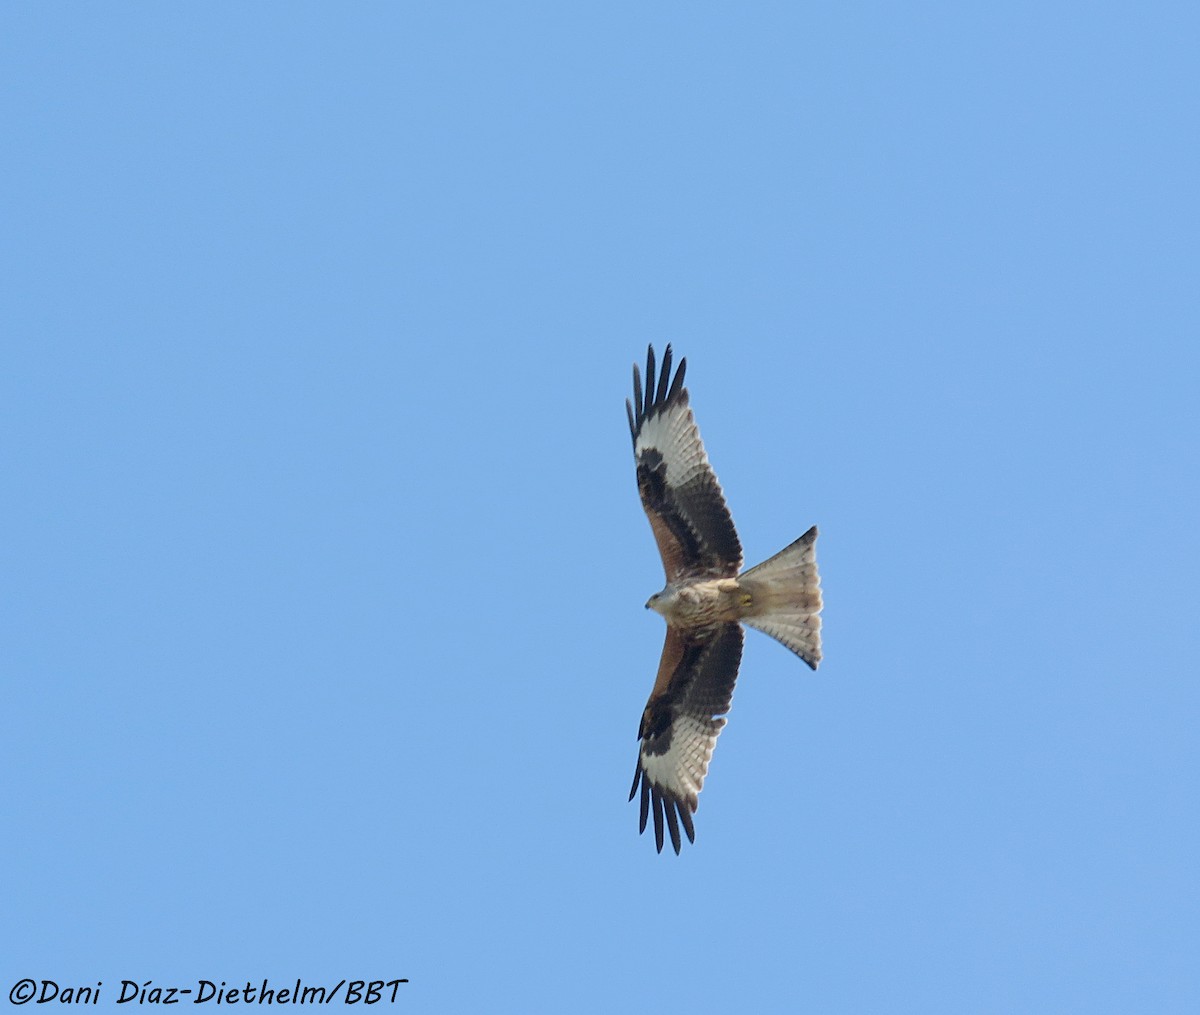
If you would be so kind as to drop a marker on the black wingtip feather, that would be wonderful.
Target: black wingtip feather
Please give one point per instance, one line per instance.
(677, 384)
(649, 377)
(674, 814)
(664, 378)
(659, 390)
(685, 812)
(672, 823)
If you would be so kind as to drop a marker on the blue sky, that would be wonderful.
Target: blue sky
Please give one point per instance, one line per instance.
(324, 648)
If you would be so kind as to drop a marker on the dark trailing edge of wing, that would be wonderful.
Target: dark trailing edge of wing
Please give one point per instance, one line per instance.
(656, 397)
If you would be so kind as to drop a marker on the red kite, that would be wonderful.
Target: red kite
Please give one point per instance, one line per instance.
(705, 602)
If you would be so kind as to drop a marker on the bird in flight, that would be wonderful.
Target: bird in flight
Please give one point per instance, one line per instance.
(706, 600)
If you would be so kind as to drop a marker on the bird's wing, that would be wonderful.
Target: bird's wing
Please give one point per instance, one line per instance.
(681, 723)
(679, 489)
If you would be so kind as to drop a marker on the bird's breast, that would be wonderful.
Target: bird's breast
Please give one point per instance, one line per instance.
(703, 602)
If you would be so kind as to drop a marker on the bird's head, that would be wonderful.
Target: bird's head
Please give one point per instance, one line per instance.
(662, 601)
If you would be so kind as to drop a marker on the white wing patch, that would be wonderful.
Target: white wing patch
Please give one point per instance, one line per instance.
(673, 433)
(680, 772)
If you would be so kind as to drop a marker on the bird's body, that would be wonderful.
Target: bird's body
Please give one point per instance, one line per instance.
(706, 600)
(700, 602)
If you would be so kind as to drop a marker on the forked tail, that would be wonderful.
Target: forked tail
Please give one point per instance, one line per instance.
(785, 598)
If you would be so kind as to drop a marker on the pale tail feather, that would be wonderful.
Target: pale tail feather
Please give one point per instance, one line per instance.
(785, 598)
